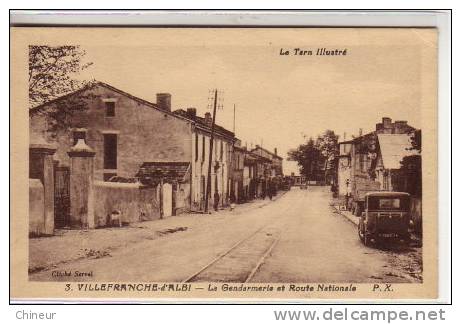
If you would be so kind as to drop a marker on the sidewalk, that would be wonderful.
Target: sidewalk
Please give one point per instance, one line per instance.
(347, 214)
(71, 245)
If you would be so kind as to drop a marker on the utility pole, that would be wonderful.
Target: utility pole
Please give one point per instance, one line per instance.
(210, 157)
(233, 166)
(233, 129)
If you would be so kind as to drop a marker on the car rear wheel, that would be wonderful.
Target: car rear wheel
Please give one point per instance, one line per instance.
(365, 238)
(361, 236)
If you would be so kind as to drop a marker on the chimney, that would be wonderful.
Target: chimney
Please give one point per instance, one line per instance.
(208, 119)
(379, 126)
(400, 126)
(387, 122)
(164, 101)
(191, 113)
(360, 131)
(275, 151)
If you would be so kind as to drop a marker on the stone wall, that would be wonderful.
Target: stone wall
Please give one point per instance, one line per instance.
(135, 202)
(36, 207)
(182, 198)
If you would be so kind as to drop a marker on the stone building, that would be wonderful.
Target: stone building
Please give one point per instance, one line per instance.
(122, 129)
(237, 187)
(275, 168)
(270, 170)
(358, 159)
(221, 168)
(133, 138)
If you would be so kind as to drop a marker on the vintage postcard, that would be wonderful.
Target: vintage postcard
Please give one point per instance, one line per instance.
(224, 164)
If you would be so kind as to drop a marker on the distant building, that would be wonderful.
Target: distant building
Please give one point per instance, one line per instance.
(221, 170)
(392, 148)
(358, 158)
(276, 165)
(238, 182)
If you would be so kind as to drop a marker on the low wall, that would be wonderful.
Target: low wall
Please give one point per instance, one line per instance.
(36, 207)
(135, 202)
(182, 198)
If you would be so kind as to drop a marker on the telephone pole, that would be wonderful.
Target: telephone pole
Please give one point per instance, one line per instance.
(210, 157)
(233, 129)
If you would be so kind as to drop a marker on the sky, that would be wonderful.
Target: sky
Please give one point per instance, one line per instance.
(280, 100)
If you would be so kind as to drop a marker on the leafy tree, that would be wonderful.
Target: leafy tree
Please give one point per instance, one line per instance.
(327, 143)
(411, 167)
(52, 75)
(308, 156)
(315, 156)
(52, 71)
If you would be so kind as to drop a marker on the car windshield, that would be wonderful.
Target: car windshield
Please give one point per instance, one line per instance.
(385, 203)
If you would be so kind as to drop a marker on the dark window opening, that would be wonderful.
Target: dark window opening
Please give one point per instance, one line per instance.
(221, 152)
(110, 109)
(110, 151)
(196, 147)
(203, 149)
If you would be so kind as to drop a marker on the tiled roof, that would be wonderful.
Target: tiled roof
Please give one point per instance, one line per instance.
(91, 86)
(251, 158)
(152, 172)
(201, 121)
(267, 151)
(107, 86)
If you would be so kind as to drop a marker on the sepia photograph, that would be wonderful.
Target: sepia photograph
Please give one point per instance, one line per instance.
(225, 162)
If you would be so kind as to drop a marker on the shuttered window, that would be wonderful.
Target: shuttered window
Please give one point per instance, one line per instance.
(196, 147)
(110, 151)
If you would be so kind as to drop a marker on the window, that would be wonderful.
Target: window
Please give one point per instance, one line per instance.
(393, 203)
(79, 134)
(210, 151)
(110, 151)
(110, 108)
(388, 203)
(221, 152)
(196, 147)
(203, 148)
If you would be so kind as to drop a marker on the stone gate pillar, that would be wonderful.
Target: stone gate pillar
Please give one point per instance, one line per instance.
(81, 185)
(41, 167)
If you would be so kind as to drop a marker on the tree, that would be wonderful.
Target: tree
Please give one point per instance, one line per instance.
(308, 156)
(315, 157)
(411, 168)
(52, 71)
(52, 74)
(327, 143)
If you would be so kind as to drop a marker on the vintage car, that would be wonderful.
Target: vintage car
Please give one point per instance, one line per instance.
(386, 216)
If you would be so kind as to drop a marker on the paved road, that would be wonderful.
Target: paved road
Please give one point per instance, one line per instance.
(297, 238)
